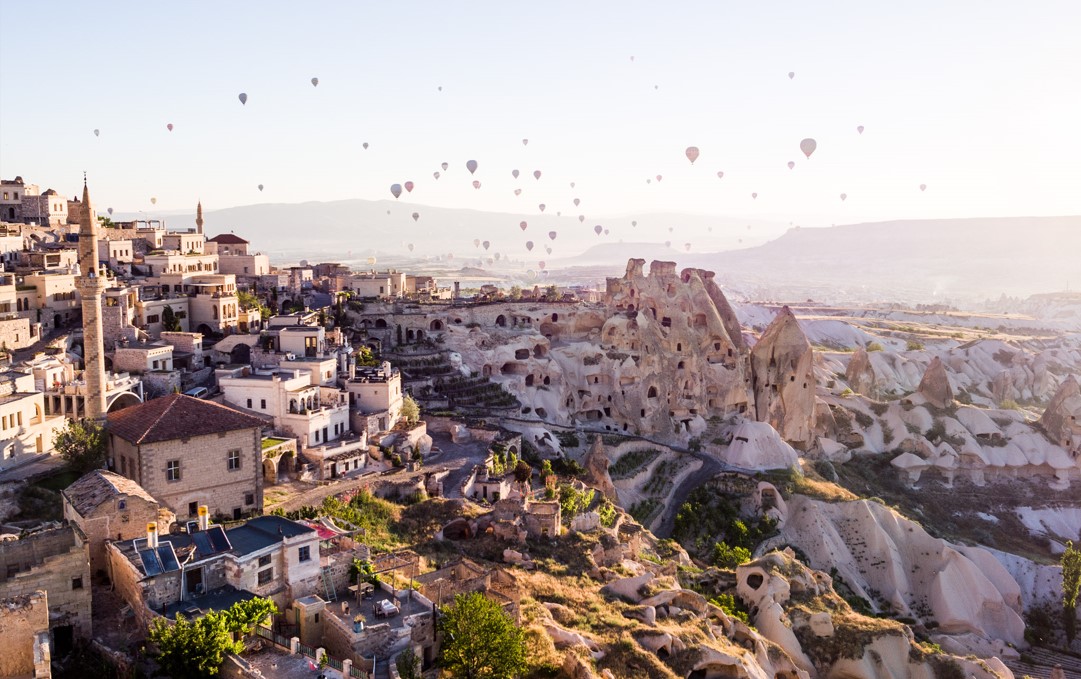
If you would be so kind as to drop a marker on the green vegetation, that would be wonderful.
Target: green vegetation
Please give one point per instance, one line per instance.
(1071, 588)
(249, 300)
(480, 641)
(632, 463)
(913, 345)
(568, 439)
(169, 321)
(408, 664)
(726, 556)
(376, 516)
(271, 441)
(198, 648)
(607, 513)
(730, 605)
(874, 346)
(573, 502)
(81, 443)
(410, 410)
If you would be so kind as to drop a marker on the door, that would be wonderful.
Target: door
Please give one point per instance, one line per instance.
(193, 581)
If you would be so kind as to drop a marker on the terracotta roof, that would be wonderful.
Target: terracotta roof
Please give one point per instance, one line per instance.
(99, 486)
(228, 239)
(177, 416)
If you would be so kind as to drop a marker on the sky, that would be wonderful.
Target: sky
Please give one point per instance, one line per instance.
(976, 99)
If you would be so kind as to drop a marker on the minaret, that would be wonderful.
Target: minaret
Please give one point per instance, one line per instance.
(199, 218)
(91, 284)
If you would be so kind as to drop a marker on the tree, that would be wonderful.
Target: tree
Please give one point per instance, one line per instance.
(552, 293)
(169, 321)
(193, 649)
(522, 474)
(410, 410)
(480, 641)
(725, 556)
(81, 443)
(408, 664)
(243, 616)
(515, 292)
(249, 300)
(1071, 588)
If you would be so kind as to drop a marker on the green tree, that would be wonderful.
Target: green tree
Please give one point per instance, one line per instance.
(1071, 588)
(522, 474)
(515, 292)
(408, 664)
(366, 357)
(410, 410)
(546, 470)
(81, 443)
(480, 641)
(243, 616)
(169, 321)
(106, 222)
(193, 649)
(249, 300)
(551, 292)
(725, 556)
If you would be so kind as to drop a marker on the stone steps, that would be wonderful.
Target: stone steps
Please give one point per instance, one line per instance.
(1044, 661)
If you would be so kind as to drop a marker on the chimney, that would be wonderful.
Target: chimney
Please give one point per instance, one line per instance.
(152, 535)
(204, 517)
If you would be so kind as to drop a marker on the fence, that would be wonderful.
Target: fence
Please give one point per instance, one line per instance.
(284, 642)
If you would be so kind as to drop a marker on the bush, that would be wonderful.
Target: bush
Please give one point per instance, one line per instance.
(913, 345)
(568, 439)
(826, 470)
(730, 605)
(725, 556)
(874, 346)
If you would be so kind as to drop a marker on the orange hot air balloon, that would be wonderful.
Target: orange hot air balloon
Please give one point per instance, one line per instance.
(471, 165)
(808, 146)
(523, 226)
(692, 154)
(395, 190)
(409, 187)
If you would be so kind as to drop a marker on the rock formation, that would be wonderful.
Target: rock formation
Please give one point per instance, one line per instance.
(860, 374)
(935, 385)
(596, 464)
(782, 380)
(757, 446)
(1061, 421)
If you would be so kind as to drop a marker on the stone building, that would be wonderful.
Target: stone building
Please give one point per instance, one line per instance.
(188, 452)
(57, 561)
(25, 429)
(24, 627)
(106, 506)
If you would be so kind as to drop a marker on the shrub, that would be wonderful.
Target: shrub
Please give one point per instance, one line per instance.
(874, 346)
(826, 470)
(725, 556)
(913, 345)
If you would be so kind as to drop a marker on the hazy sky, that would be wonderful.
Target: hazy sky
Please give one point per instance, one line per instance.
(978, 99)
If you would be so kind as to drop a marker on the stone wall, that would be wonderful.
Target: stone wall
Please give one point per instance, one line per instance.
(24, 623)
(15, 333)
(125, 579)
(57, 561)
(161, 383)
(109, 523)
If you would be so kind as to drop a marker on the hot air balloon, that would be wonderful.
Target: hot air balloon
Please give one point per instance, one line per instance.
(541, 206)
(514, 173)
(410, 247)
(649, 181)
(153, 201)
(497, 256)
(416, 216)
(859, 128)
(260, 187)
(525, 142)
(371, 261)
(552, 235)
(754, 196)
(395, 190)
(541, 263)
(97, 133)
(243, 98)
(476, 242)
(659, 179)
(523, 226)
(169, 127)
(529, 245)
(558, 213)
(476, 184)
(808, 146)
(517, 192)
(791, 74)
(365, 145)
(582, 219)
(597, 229)
(923, 187)
(791, 165)
(471, 165)
(486, 244)
(436, 174)
(440, 88)
(720, 175)
(687, 247)
(315, 82)
(577, 202)
(536, 174)
(634, 223)
(531, 274)
(110, 211)
(548, 250)
(572, 185)
(671, 229)
(606, 232)
(409, 187)
(843, 196)
(445, 166)
(692, 154)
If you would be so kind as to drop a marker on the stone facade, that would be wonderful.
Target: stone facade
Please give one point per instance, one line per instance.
(57, 561)
(105, 512)
(24, 627)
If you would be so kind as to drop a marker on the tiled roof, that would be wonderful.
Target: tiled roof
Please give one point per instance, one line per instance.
(99, 486)
(228, 239)
(177, 416)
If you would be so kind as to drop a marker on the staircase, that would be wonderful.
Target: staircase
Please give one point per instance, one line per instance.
(1043, 661)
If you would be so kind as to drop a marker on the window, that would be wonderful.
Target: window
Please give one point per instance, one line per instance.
(77, 583)
(172, 470)
(264, 560)
(266, 576)
(262, 403)
(153, 318)
(304, 554)
(249, 403)
(121, 504)
(234, 460)
(249, 498)
(193, 508)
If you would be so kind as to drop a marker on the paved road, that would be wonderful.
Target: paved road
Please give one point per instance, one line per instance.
(711, 466)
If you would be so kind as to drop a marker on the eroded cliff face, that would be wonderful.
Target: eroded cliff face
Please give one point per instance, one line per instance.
(1062, 419)
(782, 380)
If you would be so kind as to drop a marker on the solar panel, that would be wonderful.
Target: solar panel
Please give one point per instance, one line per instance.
(151, 562)
(202, 543)
(219, 539)
(168, 558)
